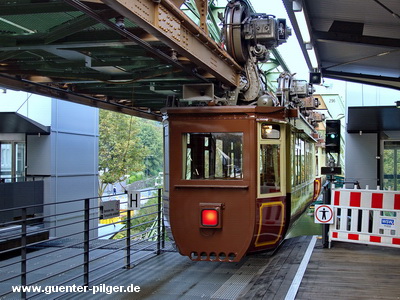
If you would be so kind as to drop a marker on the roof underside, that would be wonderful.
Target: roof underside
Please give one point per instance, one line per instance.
(73, 50)
(12, 122)
(53, 44)
(355, 40)
(53, 48)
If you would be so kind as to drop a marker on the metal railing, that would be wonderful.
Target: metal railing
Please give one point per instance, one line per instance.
(21, 178)
(68, 244)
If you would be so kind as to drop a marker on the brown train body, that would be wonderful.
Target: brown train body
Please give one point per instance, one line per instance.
(251, 167)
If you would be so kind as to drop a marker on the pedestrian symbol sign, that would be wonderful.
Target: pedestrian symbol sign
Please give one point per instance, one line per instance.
(323, 214)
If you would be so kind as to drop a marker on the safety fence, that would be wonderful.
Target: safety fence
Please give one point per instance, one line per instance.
(77, 242)
(366, 216)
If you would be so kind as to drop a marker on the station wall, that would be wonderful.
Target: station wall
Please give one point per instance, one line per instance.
(67, 159)
(362, 157)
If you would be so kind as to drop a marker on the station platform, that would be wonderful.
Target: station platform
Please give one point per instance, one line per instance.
(345, 271)
(300, 269)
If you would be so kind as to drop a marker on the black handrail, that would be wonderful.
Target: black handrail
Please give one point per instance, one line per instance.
(85, 241)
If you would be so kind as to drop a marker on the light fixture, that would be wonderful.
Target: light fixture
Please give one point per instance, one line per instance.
(313, 58)
(315, 78)
(209, 217)
(398, 103)
(17, 25)
(120, 22)
(267, 129)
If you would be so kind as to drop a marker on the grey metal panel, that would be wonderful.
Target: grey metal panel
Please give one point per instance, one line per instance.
(39, 155)
(72, 188)
(76, 154)
(361, 153)
(38, 108)
(19, 194)
(76, 187)
(76, 118)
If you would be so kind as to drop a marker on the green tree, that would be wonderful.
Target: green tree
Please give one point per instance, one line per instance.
(151, 137)
(120, 150)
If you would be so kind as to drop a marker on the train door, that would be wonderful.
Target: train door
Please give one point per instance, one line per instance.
(271, 182)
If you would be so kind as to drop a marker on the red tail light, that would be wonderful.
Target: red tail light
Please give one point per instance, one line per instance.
(209, 217)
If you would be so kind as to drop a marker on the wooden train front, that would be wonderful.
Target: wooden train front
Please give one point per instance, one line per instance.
(230, 187)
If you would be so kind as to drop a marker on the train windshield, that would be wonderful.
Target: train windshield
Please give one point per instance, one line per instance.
(213, 155)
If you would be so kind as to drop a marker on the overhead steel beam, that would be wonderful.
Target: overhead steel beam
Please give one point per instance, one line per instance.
(41, 7)
(75, 25)
(202, 7)
(53, 92)
(166, 58)
(170, 25)
(28, 9)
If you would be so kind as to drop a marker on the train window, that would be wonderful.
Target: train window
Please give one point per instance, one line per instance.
(270, 131)
(213, 155)
(270, 168)
(302, 159)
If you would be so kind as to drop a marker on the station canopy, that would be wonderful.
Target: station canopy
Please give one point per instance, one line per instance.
(112, 54)
(13, 122)
(104, 53)
(354, 40)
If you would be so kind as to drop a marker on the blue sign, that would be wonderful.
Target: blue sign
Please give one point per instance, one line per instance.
(389, 222)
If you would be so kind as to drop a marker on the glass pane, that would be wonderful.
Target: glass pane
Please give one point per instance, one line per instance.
(213, 155)
(20, 161)
(6, 162)
(388, 169)
(270, 169)
(269, 131)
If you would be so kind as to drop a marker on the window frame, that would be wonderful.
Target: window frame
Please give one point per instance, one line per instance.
(207, 167)
(281, 141)
(302, 162)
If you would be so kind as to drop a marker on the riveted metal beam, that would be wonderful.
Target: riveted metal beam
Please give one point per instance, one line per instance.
(127, 34)
(170, 25)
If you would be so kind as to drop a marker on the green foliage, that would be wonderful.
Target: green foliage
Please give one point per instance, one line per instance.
(151, 137)
(135, 176)
(120, 150)
(128, 146)
(143, 219)
(390, 169)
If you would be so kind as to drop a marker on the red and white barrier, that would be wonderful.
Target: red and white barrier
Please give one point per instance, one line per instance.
(366, 216)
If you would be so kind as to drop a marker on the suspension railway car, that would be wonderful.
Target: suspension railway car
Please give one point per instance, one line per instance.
(237, 178)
